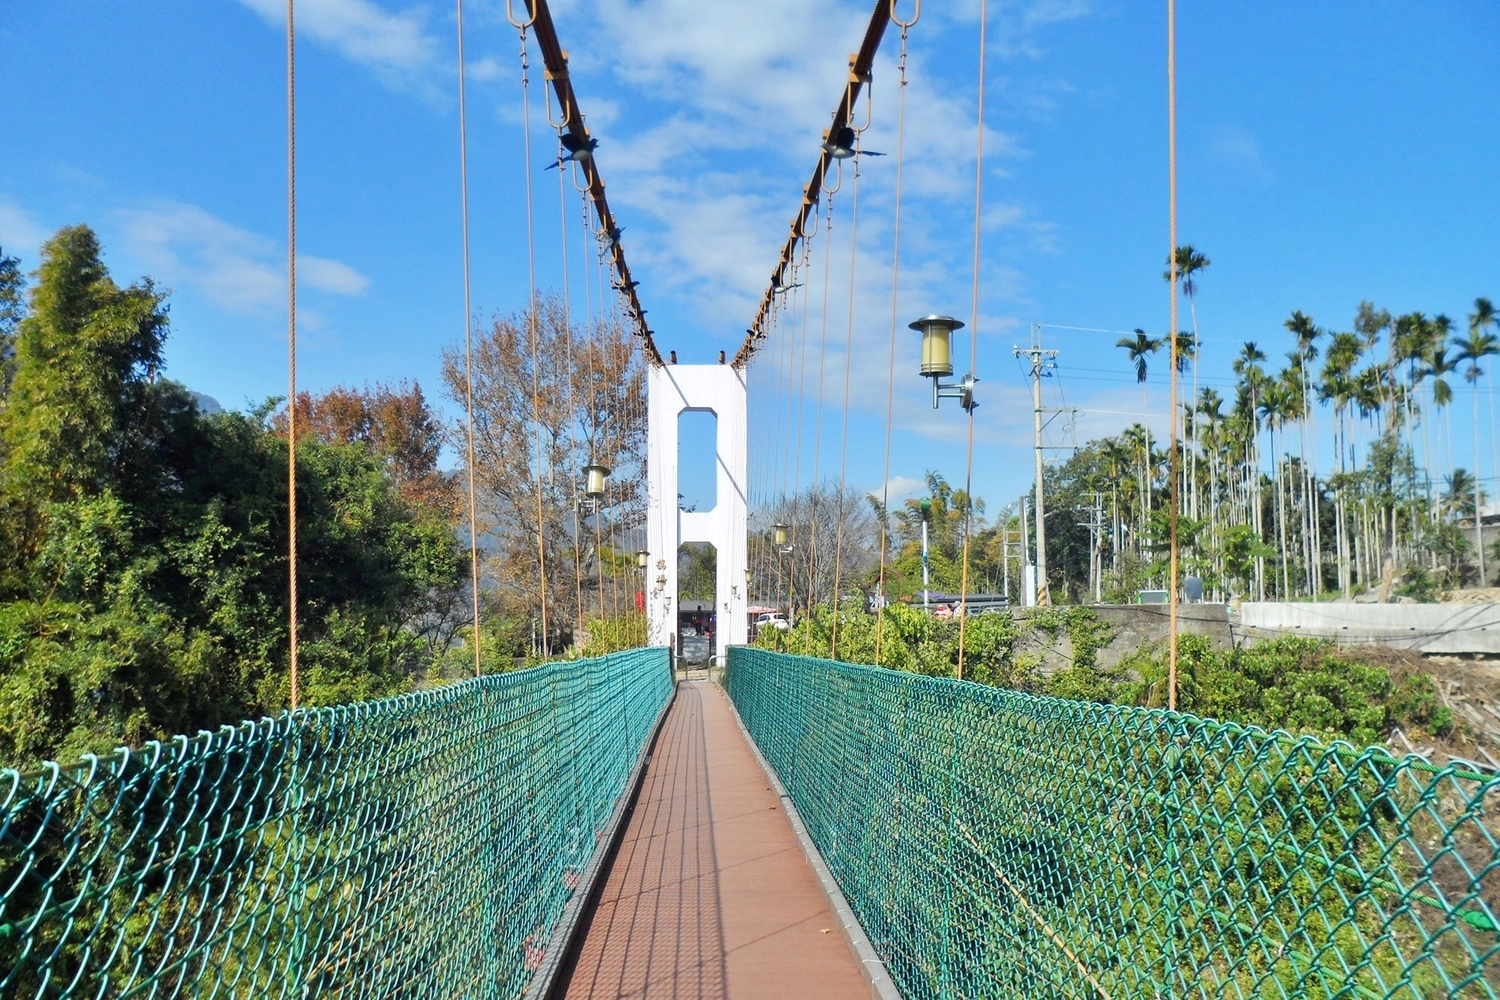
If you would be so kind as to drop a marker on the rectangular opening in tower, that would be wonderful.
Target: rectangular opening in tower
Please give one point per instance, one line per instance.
(697, 618)
(697, 460)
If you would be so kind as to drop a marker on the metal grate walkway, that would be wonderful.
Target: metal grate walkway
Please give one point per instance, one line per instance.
(709, 895)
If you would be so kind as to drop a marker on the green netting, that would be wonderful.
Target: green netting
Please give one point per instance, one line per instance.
(996, 844)
(422, 846)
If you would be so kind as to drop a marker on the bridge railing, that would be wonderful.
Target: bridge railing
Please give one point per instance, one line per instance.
(420, 846)
(995, 844)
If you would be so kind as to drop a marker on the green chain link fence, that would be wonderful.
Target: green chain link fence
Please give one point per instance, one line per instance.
(995, 844)
(421, 846)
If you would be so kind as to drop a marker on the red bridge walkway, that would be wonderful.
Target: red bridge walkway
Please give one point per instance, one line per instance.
(709, 895)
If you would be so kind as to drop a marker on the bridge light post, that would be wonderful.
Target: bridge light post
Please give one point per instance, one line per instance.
(937, 360)
(593, 486)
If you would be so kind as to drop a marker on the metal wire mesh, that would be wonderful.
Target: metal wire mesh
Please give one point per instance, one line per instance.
(421, 846)
(995, 844)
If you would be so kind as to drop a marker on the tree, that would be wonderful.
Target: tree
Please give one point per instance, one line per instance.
(804, 576)
(396, 423)
(540, 416)
(144, 560)
(1139, 349)
(1189, 264)
(84, 411)
(1479, 344)
(12, 311)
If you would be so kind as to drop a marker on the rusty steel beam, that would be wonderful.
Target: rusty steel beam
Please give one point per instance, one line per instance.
(860, 64)
(555, 57)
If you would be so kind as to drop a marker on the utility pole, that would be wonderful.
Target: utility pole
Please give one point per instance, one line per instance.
(1095, 524)
(1039, 359)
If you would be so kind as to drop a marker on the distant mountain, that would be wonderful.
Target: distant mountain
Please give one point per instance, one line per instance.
(207, 405)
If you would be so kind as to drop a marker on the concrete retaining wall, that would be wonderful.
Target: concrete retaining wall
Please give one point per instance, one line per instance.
(1428, 628)
(1134, 626)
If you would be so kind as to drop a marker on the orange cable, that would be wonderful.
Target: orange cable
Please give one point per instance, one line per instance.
(562, 212)
(1172, 333)
(963, 620)
(536, 400)
(812, 528)
(890, 384)
(291, 337)
(463, 173)
(838, 545)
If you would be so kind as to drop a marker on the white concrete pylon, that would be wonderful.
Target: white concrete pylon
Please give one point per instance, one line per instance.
(719, 389)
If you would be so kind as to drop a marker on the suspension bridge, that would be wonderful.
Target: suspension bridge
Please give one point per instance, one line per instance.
(785, 826)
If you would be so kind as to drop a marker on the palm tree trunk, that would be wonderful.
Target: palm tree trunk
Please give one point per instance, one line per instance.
(1478, 513)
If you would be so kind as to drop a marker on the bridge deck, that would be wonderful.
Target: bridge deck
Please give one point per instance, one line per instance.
(709, 895)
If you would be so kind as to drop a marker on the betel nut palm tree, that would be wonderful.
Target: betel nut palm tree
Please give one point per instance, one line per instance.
(1140, 348)
(1475, 348)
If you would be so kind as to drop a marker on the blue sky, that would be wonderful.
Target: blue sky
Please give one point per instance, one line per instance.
(1328, 153)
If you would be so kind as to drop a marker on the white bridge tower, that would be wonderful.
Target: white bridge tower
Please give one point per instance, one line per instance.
(719, 389)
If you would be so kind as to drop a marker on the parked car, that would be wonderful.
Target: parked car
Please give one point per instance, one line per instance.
(773, 619)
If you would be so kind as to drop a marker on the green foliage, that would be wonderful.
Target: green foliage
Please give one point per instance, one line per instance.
(143, 547)
(12, 311)
(1297, 684)
(697, 571)
(611, 635)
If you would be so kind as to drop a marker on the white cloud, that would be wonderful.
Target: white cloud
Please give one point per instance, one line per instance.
(234, 268)
(330, 275)
(898, 488)
(20, 234)
(396, 45)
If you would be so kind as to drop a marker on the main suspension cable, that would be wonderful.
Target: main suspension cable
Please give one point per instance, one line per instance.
(463, 184)
(963, 620)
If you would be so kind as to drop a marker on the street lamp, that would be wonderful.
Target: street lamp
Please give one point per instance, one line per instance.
(594, 481)
(779, 537)
(642, 559)
(937, 360)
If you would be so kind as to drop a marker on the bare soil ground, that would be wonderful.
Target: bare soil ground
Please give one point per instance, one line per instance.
(1469, 686)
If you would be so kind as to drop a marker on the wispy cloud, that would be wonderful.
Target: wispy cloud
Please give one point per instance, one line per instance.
(397, 45)
(1236, 149)
(184, 245)
(20, 234)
